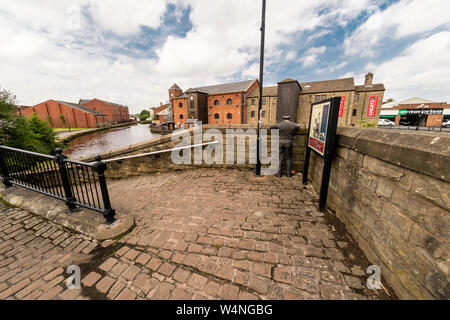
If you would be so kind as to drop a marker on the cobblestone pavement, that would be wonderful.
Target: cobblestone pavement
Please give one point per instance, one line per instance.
(199, 234)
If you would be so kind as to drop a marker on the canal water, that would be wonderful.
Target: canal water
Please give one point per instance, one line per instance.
(100, 142)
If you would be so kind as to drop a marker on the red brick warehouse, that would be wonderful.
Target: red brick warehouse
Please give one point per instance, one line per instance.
(221, 104)
(75, 115)
(115, 113)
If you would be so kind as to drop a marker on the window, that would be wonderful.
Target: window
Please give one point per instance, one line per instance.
(216, 116)
(229, 116)
(357, 97)
(229, 101)
(181, 117)
(264, 101)
(252, 114)
(355, 111)
(253, 102)
(317, 98)
(324, 97)
(180, 104)
(263, 114)
(216, 102)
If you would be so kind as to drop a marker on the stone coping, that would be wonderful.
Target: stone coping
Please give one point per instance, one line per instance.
(168, 138)
(421, 152)
(84, 221)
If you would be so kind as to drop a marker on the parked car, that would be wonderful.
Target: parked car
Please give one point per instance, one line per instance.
(386, 122)
(446, 123)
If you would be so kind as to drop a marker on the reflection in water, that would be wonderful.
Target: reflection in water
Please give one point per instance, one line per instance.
(103, 141)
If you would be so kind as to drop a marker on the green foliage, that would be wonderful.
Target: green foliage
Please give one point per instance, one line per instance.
(365, 124)
(63, 119)
(16, 131)
(144, 115)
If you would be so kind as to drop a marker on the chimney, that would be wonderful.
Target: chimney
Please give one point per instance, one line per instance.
(369, 79)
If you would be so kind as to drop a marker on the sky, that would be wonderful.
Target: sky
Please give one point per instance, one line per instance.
(130, 52)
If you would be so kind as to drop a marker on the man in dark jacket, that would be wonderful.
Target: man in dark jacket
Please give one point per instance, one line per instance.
(287, 131)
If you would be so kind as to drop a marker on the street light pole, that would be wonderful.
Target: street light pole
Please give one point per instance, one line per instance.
(261, 74)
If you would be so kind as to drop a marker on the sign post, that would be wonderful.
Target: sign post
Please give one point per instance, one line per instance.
(322, 140)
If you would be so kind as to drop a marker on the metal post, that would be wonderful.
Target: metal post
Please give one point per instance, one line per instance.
(70, 199)
(5, 172)
(100, 168)
(261, 74)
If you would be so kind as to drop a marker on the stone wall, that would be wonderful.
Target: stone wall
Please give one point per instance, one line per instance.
(163, 162)
(392, 191)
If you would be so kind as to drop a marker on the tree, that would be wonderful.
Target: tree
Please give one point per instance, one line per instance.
(18, 132)
(144, 115)
(389, 100)
(42, 133)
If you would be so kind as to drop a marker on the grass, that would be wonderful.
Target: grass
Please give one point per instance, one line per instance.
(67, 129)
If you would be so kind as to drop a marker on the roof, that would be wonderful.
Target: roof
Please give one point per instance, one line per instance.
(84, 101)
(370, 87)
(79, 107)
(414, 100)
(165, 112)
(267, 92)
(175, 87)
(346, 84)
(241, 86)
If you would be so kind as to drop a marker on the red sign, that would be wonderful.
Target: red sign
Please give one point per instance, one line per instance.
(372, 110)
(317, 145)
(341, 108)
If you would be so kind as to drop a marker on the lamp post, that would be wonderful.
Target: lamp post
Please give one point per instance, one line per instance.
(261, 73)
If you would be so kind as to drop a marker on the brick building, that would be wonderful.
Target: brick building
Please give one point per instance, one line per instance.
(269, 105)
(161, 113)
(356, 100)
(416, 112)
(76, 116)
(221, 104)
(115, 113)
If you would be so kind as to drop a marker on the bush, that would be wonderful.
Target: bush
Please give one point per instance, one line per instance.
(365, 124)
(30, 134)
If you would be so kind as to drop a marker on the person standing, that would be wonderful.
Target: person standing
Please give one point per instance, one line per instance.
(287, 130)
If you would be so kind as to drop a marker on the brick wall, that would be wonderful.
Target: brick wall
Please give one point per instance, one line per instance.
(51, 110)
(223, 108)
(114, 114)
(391, 190)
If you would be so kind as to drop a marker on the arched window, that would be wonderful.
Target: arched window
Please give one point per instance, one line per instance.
(216, 116)
(229, 116)
(181, 117)
(216, 102)
(229, 101)
(180, 104)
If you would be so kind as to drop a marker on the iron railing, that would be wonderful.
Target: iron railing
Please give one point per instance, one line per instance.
(78, 184)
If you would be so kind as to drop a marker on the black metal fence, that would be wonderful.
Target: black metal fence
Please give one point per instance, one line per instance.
(78, 184)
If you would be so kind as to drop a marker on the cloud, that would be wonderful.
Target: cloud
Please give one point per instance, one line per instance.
(88, 48)
(333, 68)
(311, 55)
(402, 19)
(420, 70)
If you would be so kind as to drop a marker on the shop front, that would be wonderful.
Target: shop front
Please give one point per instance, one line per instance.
(420, 117)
